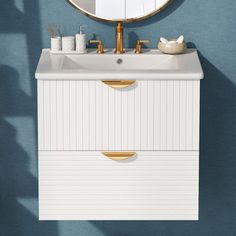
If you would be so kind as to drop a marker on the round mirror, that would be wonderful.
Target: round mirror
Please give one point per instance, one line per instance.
(120, 10)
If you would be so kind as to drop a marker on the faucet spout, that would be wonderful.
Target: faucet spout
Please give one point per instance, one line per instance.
(119, 38)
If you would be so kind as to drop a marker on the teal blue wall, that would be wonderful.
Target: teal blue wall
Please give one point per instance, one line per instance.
(209, 25)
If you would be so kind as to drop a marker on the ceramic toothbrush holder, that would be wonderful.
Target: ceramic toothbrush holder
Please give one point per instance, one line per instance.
(56, 44)
(68, 43)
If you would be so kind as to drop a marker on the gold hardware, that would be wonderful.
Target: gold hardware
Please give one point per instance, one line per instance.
(118, 156)
(118, 83)
(119, 38)
(100, 48)
(75, 4)
(138, 47)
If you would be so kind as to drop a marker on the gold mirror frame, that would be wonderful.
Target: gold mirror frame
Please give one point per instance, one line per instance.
(130, 20)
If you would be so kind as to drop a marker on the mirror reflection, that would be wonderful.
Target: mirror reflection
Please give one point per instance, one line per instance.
(119, 9)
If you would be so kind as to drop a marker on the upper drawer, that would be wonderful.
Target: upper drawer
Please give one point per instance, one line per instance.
(89, 115)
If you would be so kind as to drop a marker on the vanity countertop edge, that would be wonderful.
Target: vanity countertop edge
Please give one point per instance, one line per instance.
(49, 67)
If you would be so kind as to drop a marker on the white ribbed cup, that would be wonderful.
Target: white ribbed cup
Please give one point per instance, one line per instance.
(68, 43)
(56, 44)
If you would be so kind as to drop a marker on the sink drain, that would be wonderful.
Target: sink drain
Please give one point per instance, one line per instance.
(119, 61)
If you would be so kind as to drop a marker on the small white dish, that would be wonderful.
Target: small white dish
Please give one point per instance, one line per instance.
(172, 47)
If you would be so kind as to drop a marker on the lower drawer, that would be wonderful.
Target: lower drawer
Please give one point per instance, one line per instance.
(160, 185)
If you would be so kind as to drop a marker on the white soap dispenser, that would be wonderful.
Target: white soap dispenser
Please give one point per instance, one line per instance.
(81, 41)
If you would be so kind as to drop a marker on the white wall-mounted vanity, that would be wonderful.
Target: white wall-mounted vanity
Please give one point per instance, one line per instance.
(157, 117)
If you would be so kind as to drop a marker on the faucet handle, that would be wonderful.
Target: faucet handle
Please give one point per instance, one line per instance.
(138, 46)
(100, 48)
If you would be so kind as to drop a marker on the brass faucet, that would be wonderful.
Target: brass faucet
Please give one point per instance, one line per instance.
(138, 46)
(100, 48)
(119, 39)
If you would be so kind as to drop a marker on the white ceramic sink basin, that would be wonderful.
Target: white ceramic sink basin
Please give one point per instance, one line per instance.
(129, 62)
(151, 64)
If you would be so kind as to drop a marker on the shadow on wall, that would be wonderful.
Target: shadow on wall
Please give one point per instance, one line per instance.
(16, 182)
(217, 168)
(218, 129)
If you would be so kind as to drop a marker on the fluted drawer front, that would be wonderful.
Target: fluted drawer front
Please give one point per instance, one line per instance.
(89, 115)
(80, 185)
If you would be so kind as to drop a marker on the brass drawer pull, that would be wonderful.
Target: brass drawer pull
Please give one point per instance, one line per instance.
(118, 156)
(118, 83)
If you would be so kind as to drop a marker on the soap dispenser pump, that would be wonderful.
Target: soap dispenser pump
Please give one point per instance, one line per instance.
(81, 40)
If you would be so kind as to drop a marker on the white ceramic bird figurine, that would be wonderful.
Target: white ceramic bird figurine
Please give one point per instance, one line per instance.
(164, 40)
(180, 39)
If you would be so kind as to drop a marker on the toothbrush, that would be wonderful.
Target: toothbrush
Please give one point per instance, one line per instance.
(51, 31)
(60, 31)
